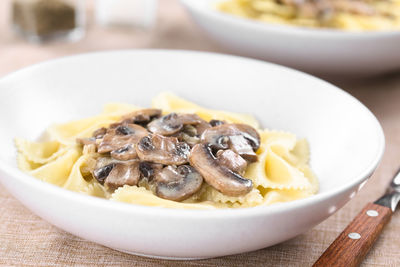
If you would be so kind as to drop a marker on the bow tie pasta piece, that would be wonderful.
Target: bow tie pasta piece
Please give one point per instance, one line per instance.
(272, 196)
(286, 145)
(312, 179)
(118, 110)
(80, 180)
(347, 15)
(251, 199)
(282, 142)
(285, 195)
(300, 155)
(57, 171)
(172, 103)
(25, 165)
(67, 133)
(97, 190)
(39, 152)
(142, 196)
(272, 170)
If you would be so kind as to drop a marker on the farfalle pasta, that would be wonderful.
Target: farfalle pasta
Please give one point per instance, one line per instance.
(265, 167)
(351, 15)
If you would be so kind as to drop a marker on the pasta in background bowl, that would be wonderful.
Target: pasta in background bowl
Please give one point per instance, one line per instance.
(359, 15)
(340, 130)
(322, 51)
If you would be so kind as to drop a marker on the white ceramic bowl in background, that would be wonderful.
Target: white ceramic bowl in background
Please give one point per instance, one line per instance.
(346, 145)
(320, 51)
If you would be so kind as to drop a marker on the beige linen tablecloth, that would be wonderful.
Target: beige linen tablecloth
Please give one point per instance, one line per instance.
(25, 239)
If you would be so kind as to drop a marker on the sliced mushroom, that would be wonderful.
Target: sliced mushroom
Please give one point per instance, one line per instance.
(99, 133)
(101, 173)
(218, 176)
(119, 123)
(142, 116)
(188, 134)
(324, 9)
(149, 170)
(178, 183)
(126, 152)
(310, 10)
(292, 2)
(121, 136)
(189, 130)
(164, 150)
(240, 145)
(216, 123)
(114, 173)
(241, 138)
(190, 140)
(232, 161)
(102, 168)
(172, 123)
(123, 174)
(355, 7)
(201, 127)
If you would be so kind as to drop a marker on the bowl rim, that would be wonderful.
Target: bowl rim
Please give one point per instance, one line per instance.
(194, 213)
(294, 30)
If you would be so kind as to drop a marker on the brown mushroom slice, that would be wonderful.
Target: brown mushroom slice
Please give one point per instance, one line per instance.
(201, 127)
(291, 2)
(218, 176)
(241, 138)
(103, 168)
(126, 152)
(308, 10)
(149, 170)
(232, 161)
(101, 173)
(355, 7)
(126, 173)
(172, 123)
(213, 134)
(189, 135)
(190, 140)
(178, 183)
(214, 123)
(99, 133)
(164, 150)
(143, 115)
(119, 123)
(121, 136)
(240, 145)
(311, 9)
(114, 173)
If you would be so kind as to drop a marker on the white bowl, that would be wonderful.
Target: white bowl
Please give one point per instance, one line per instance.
(346, 145)
(320, 51)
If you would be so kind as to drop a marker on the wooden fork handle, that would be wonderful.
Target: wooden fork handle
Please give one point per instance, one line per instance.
(351, 246)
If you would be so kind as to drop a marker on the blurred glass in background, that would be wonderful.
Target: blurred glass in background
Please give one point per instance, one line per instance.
(43, 20)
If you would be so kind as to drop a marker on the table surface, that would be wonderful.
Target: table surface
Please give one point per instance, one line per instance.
(26, 239)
